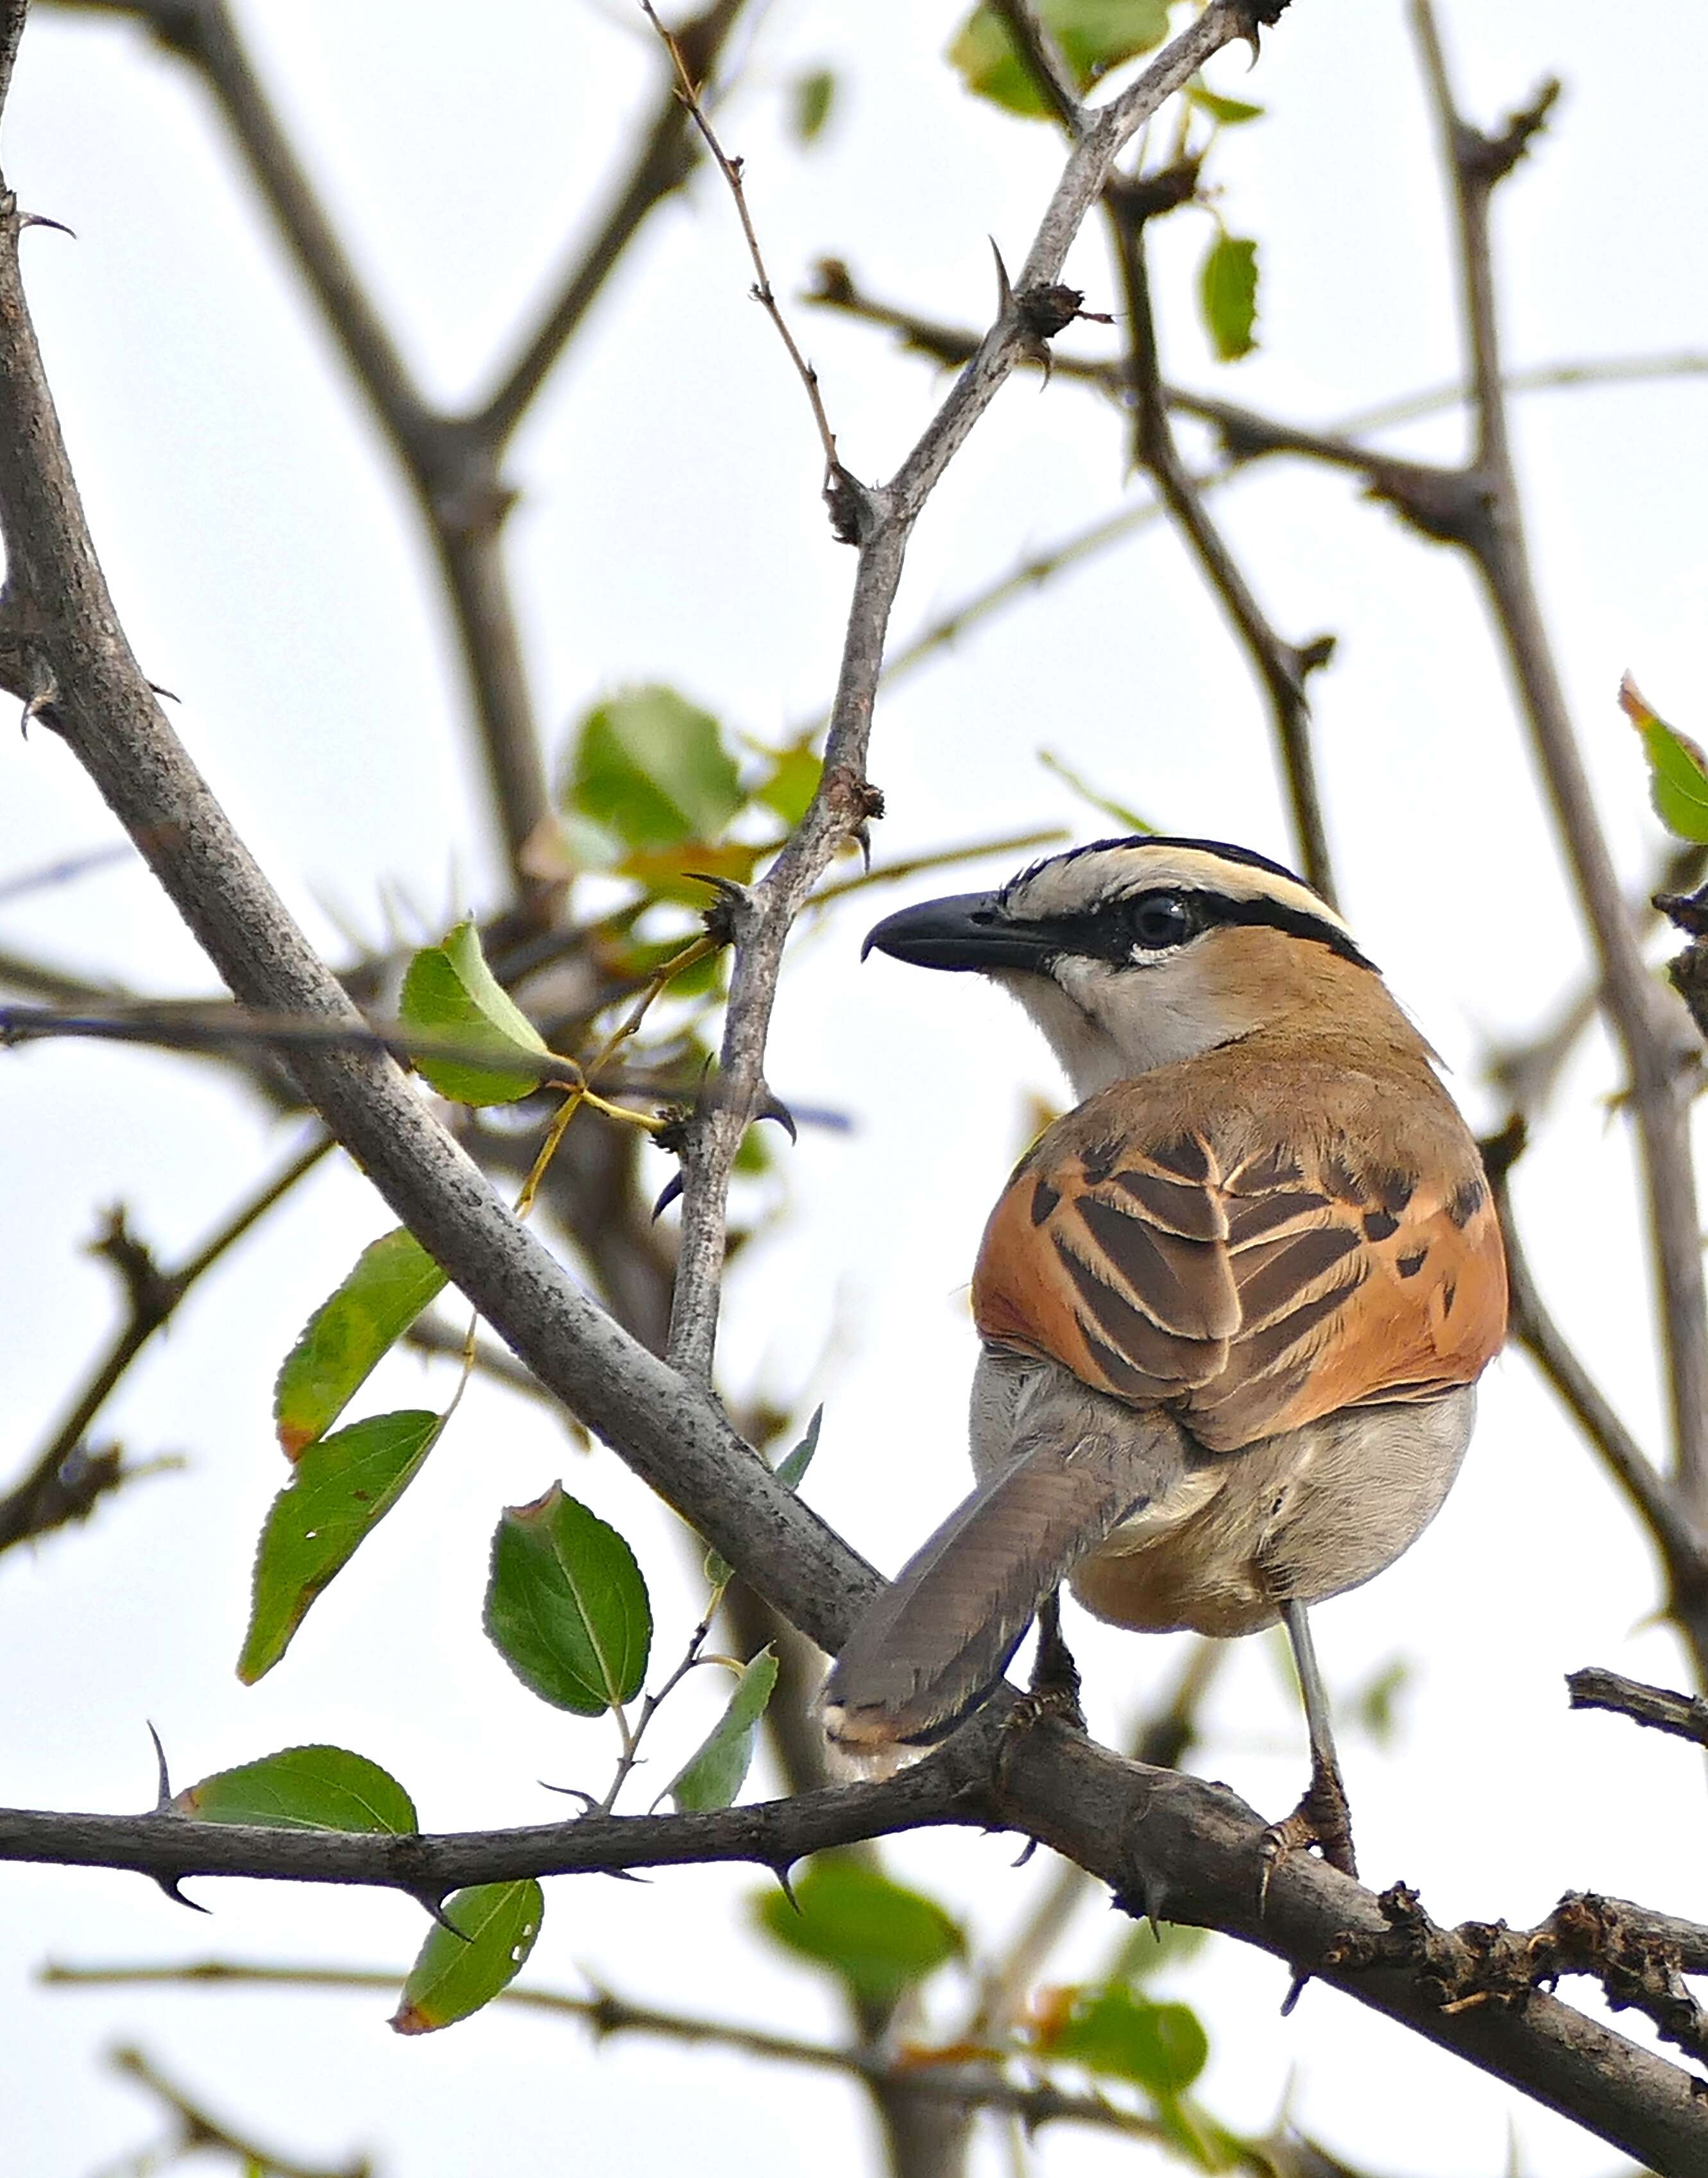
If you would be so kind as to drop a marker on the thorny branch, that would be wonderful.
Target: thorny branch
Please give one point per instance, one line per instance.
(1167, 1844)
(1281, 667)
(688, 91)
(883, 518)
(453, 462)
(974, 2086)
(66, 1477)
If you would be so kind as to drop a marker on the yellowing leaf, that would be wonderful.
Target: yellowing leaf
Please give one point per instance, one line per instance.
(1678, 770)
(1112, 2030)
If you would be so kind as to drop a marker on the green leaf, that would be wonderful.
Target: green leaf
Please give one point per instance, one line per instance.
(1228, 295)
(653, 769)
(1092, 35)
(1375, 1704)
(878, 1937)
(812, 98)
(566, 1608)
(792, 1467)
(304, 1788)
(1149, 1950)
(1228, 112)
(790, 1470)
(1678, 770)
(454, 1975)
(449, 991)
(342, 1486)
(1111, 2030)
(393, 1280)
(712, 1777)
(793, 781)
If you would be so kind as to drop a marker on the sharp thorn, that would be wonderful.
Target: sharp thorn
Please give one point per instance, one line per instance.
(589, 1805)
(1004, 292)
(169, 1884)
(672, 1188)
(432, 1903)
(772, 1107)
(163, 1785)
(785, 1886)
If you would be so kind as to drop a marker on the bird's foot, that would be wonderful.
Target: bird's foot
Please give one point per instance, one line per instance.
(1322, 1818)
(1055, 1690)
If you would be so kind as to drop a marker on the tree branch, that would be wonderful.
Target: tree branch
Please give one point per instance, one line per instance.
(1167, 1844)
(668, 156)
(973, 2086)
(1281, 668)
(196, 2130)
(882, 519)
(1685, 1715)
(65, 1479)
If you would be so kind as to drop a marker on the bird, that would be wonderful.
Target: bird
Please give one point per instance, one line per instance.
(1231, 1307)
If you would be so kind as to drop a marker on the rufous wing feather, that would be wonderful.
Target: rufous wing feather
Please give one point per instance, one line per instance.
(1253, 1271)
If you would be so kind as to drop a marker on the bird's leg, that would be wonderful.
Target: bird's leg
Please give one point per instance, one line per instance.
(1322, 1818)
(1053, 1691)
(1055, 1677)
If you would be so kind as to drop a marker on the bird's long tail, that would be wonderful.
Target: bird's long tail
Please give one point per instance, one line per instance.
(938, 1638)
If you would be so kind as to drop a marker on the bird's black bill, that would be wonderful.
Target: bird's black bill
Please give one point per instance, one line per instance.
(968, 931)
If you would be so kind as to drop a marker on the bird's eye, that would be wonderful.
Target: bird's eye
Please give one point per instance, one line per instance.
(1158, 919)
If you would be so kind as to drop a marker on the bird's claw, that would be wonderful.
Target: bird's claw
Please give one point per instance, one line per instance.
(1322, 1818)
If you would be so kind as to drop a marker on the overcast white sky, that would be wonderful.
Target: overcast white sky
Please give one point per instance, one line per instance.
(266, 564)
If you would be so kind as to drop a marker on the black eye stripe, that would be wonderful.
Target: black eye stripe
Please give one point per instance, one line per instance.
(1106, 932)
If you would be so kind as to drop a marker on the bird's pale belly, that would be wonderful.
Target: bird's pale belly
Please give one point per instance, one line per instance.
(1305, 1515)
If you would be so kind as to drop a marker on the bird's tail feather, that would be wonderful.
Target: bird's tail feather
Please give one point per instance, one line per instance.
(937, 1639)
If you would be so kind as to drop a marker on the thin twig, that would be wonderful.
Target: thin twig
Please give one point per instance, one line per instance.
(196, 2130)
(764, 294)
(939, 858)
(664, 161)
(1281, 667)
(978, 2086)
(882, 519)
(1044, 60)
(62, 1482)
